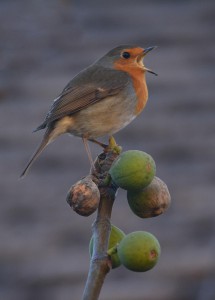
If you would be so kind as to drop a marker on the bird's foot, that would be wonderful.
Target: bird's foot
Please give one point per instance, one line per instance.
(112, 146)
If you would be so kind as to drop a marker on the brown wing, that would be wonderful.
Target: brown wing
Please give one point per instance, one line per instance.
(76, 97)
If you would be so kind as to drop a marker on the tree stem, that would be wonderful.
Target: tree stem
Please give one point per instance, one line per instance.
(100, 263)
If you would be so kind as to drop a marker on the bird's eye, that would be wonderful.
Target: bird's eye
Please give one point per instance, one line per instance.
(126, 55)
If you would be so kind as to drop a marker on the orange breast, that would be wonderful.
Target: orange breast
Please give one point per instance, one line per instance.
(137, 75)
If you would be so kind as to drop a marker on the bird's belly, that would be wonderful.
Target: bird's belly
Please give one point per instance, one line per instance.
(104, 118)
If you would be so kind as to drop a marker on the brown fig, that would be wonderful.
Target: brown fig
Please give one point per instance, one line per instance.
(150, 201)
(84, 196)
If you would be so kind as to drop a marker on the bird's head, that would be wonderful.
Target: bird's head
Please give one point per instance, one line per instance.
(126, 56)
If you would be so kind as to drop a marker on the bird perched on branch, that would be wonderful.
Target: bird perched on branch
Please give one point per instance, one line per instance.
(100, 100)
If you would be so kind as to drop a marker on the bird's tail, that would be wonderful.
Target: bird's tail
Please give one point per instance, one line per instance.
(48, 137)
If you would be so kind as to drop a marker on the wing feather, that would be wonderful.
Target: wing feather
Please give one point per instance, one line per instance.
(76, 97)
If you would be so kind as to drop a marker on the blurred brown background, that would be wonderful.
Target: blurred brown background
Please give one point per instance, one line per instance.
(44, 244)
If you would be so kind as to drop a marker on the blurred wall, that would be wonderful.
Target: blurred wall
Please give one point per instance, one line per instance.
(44, 245)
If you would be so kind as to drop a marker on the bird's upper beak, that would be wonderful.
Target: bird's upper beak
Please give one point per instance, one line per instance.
(147, 50)
(143, 54)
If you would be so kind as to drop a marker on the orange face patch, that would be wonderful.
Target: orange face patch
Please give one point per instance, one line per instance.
(134, 67)
(133, 59)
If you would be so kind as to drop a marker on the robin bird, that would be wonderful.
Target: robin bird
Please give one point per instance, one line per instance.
(100, 100)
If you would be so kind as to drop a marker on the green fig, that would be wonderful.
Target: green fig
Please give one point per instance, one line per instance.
(139, 251)
(133, 170)
(116, 235)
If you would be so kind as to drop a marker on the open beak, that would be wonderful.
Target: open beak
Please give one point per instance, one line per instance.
(143, 54)
(147, 50)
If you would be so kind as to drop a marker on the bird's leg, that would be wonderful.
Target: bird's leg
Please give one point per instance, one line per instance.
(112, 142)
(112, 146)
(98, 143)
(85, 141)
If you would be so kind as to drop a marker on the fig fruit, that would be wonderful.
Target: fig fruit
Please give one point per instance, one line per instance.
(84, 196)
(139, 251)
(133, 170)
(151, 201)
(116, 235)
